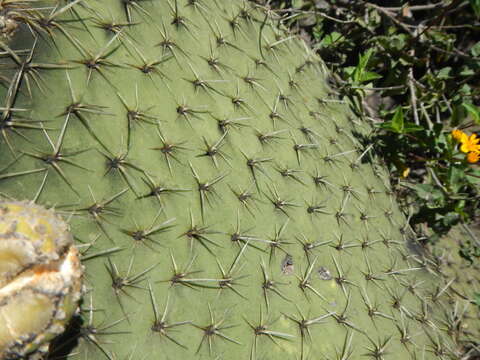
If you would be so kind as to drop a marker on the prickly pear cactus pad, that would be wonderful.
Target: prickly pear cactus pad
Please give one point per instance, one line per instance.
(219, 193)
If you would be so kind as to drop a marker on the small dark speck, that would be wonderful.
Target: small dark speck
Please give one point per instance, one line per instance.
(324, 273)
(287, 265)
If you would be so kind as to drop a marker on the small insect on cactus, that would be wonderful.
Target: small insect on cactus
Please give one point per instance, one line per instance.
(220, 195)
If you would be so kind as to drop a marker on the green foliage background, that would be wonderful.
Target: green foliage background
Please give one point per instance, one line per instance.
(413, 69)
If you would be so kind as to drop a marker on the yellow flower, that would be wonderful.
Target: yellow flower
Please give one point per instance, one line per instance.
(470, 144)
(405, 172)
(473, 157)
(459, 135)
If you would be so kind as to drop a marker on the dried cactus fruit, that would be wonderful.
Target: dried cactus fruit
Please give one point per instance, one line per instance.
(40, 278)
(227, 205)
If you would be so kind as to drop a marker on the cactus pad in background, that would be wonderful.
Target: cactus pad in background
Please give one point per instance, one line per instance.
(219, 192)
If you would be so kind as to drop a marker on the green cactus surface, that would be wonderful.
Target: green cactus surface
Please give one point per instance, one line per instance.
(221, 195)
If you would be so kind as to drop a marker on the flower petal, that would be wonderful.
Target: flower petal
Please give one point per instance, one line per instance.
(473, 157)
(464, 148)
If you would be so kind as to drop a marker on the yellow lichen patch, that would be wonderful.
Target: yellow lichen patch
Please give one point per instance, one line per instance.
(37, 226)
(4, 228)
(13, 259)
(39, 308)
(13, 208)
(24, 228)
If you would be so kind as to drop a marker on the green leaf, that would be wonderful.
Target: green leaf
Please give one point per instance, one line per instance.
(318, 32)
(331, 38)
(398, 124)
(398, 121)
(364, 58)
(349, 70)
(411, 127)
(456, 178)
(469, 252)
(387, 125)
(369, 75)
(444, 73)
(424, 191)
(458, 114)
(466, 71)
(297, 4)
(450, 219)
(475, 4)
(473, 110)
(473, 176)
(431, 195)
(475, 49)
(476, 298)
(360, 73)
